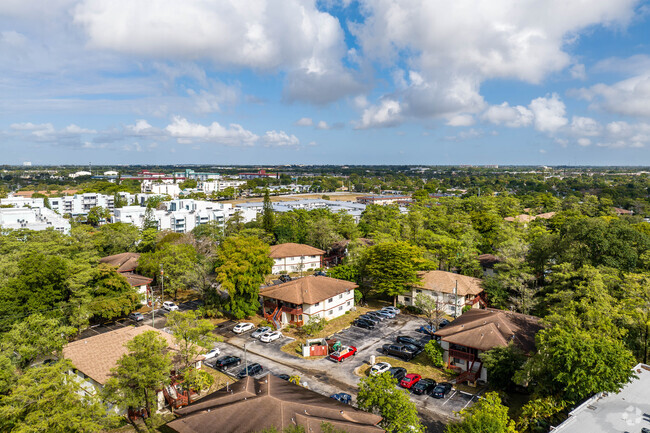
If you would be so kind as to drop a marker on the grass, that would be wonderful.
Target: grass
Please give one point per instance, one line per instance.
(418, 365)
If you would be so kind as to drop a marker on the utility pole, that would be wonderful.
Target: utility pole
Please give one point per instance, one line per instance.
(245, 360)
(162, 284)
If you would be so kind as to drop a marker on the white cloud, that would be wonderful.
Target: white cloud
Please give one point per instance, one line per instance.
(141, 126)
(549, 113)
(585, 126)
(504, 114)
(466, 135)
(322, 125)
(629, 97)
(622, 134)
(584, 142)
(280, 138)
(461, 120)
(578, 72)
(386, 113)
(233, 135)
(451, 48)
(304, 121)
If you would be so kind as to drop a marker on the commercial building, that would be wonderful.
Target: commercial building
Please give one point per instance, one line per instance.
(261, 174)
(36, 218)
(296, 301)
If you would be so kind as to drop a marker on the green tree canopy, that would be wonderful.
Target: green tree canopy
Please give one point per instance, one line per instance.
(487, 415)
(191, 333)
(112, 295)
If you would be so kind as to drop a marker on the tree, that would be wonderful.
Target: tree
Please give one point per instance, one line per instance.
(431, 307)
(434, 352)
(392, 267)
(35, 336)
(117, 238)
(44, 399)
(140, 373)
(198, 380)
(191, 333)
(96, 215)
(313, 326)
(267, 213)
(178, 264)
(539, 414)
(112, 294)
(503, 363)
(380, 394)
(242, 264)
(149, 222)
(487, 415)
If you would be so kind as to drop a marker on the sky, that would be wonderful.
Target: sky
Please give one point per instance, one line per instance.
(424, 82)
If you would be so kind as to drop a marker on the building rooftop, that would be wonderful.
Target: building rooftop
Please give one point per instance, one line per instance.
(307, 290)
(124, 262)
(625, 411)
(489, 328)
(293, 250)
(446, 282)
(270, 402)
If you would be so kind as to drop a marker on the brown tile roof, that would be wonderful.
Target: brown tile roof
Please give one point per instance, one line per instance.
(523, 218)
(251, 405)
(124, 262)
(293, 250)
(489, 328)
(136, 280)
(445, 282)
(488, 260)
(96, 355)
(307, 290)
(621, 211)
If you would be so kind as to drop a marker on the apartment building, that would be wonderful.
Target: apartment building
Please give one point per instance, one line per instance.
(34, 218)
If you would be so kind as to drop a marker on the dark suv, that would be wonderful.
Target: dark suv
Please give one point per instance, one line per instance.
(403, 339)
(398, 373)
(252, 370)
(284, 278)
(423, 386)
(226, 362)
(404, 351)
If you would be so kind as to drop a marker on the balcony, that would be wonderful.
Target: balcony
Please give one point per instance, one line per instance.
(289, 310)
(459, 354)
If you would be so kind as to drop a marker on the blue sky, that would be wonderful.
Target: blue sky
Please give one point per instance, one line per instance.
(325, 82)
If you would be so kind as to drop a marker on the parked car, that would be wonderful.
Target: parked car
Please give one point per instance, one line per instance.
(320, 273)
(392, 309)
(225, 362)
(260, 331)
(365, 324)
(443, 323)
(404, 339)
(385, 313)
(376, 315)
(404, 351)
(344, 352)
(284, 278)
(369, 318)
(427, 329)
(379, 368)
(398, 373)
(169, 306)
(136, 316)
(423, 386)
(252, 370)
(212, 353)
(342, 397)
(409, 380)
(441, 390)
(282, 376)
(270, 336)
(242, 327)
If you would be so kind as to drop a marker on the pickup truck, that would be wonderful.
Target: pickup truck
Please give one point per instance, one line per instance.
(343, 352)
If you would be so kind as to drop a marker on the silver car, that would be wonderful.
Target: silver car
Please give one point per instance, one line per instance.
(259, 331)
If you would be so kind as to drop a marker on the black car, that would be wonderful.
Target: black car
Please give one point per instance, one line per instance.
(423, 386)
(282, 376)
(226, 362)
(369, 318)
(441, 390)
(360, 323)
(252, 370)
(409, 340)
(443, 323)
(320, 273)
(284, 278)
(398, 373)
(404, 351)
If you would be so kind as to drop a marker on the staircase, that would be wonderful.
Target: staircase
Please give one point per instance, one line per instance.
(473, 373)
(275, 318)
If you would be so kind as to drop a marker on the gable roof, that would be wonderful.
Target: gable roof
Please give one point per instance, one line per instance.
(124, 262)
(489, 328)
(488, 260)
(97, 355)
(255, 404)
(307, 290)
(445, 282)
(293, 250)
(136, 280)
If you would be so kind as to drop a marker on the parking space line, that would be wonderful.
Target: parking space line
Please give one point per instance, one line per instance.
(449, 398)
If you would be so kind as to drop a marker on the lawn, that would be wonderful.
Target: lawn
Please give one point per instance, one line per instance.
(418, 365)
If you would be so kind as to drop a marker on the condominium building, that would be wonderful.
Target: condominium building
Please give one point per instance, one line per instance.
(34, 218)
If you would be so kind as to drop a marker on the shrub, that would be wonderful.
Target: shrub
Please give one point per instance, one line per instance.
(434, 352)
(314, 326)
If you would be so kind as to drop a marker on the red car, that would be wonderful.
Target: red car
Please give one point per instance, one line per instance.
(344, 352)
(409, 380)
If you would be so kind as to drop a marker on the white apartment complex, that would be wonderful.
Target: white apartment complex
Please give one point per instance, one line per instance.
(251, 210)
(218, 185)
(292, 257)
(35, 218)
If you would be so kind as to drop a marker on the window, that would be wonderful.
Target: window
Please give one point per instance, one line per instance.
(331, 312)
(330, 300)
(349, 303)
(299, 316)
(418, 291)
(341, 296)
(316, 304)
(340, 307)
(407, 299)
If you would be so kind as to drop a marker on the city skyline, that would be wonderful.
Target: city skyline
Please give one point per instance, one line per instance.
(328, 82)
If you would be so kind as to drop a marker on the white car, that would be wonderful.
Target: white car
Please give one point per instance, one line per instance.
(240, 328)
(270, 336)
(211, 354)
(169, 306)
(261, 331)
(379, 368)
(393, 310)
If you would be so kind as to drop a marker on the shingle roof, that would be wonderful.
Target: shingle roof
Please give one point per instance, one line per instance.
(489, 328)
(524, 218)
(96, 355)
(488, 260)
(255, 404)
(445, 282)
(124, 262)
(136, 280)
(307, 290)
(293, 250)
